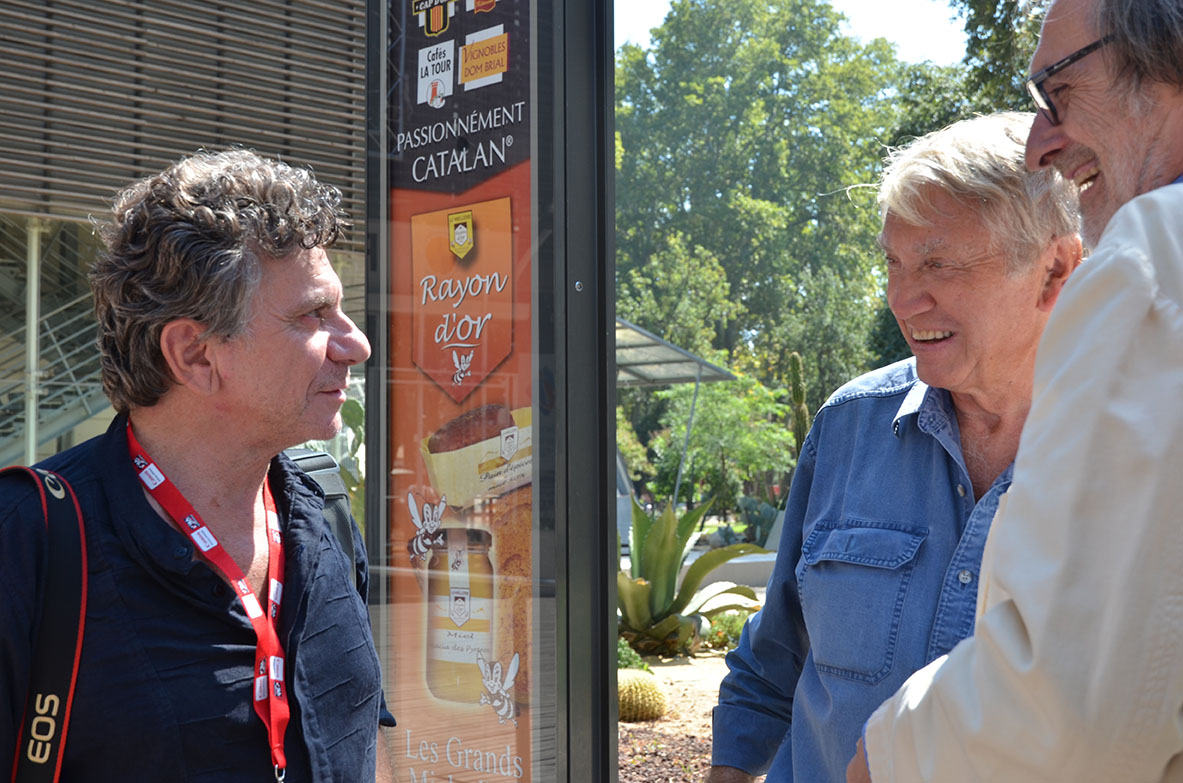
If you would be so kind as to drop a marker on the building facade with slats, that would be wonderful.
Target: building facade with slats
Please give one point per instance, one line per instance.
(97, 93)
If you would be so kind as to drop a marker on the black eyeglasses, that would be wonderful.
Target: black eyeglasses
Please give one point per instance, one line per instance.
(1035, 84)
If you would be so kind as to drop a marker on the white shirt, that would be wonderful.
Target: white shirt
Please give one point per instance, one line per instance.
(1075, 670)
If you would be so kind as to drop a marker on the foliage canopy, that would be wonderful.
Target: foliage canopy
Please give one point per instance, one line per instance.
(740, 130)
(738, 437)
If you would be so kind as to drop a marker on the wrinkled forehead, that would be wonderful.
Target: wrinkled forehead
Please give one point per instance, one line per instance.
(1068, 25)
(937, 233)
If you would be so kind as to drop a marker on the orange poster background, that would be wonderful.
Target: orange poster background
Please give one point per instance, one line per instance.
(437, 738)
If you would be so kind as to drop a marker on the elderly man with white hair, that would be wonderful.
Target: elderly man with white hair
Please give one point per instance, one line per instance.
(903, 468)
(1075, 670)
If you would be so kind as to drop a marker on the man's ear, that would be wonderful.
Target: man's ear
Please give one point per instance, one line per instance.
(1059, 260)
(188, 355)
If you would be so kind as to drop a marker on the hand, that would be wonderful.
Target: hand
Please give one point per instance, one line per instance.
(856, 770)
(728, 775)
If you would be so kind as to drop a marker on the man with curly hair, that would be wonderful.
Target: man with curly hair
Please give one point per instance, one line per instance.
(226, 637)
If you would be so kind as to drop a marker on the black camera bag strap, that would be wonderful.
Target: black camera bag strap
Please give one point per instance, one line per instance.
(324, 469)
(42, 733)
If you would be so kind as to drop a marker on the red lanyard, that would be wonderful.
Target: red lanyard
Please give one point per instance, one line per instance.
(271, 702)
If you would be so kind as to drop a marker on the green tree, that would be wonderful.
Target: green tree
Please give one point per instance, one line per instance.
(740, 130)
(831, 331)
(1000, 39)
(887, 343)
(932, 96)
(631, 448)
(738, 437)
(680, 293)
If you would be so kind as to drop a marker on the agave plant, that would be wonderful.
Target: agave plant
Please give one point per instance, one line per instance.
(657, 616)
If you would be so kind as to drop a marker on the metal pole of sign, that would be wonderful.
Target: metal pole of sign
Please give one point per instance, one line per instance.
(32, 337)
(686, 441)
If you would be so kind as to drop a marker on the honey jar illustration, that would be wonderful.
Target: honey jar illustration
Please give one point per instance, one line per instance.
(459, 613)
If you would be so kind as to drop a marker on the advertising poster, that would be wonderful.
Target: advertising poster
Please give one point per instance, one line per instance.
(460, 498)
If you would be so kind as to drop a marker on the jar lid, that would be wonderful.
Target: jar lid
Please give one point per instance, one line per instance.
(475, 536)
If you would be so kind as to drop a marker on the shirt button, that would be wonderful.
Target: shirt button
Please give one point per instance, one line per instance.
(965, 576)
(181, 552)
(961, 490)
(219, 589)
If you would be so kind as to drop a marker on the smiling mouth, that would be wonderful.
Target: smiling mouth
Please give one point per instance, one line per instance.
(929, 335)
(1085, 177)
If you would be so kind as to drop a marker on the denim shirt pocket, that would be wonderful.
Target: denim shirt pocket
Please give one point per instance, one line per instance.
(852, 578)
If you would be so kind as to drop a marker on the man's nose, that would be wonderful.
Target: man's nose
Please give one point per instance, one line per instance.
(1044, 142)
(349, 345)
(907, 295)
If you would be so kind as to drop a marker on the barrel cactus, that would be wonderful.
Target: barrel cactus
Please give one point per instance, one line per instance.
(640, 694)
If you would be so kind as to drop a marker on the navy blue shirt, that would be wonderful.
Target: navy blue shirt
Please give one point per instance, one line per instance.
(164, 687)
(876, 575)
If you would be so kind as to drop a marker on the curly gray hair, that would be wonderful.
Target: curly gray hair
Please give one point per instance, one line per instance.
(980, 161)
(187, 243)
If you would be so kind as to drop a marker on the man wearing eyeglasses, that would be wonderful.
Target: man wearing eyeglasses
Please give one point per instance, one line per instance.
(1075, 671)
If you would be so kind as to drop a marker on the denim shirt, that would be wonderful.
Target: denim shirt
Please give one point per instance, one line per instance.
(165, 678)
(876, 575)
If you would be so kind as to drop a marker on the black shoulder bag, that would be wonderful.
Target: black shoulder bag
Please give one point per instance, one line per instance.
(324, 469)
(42, 733)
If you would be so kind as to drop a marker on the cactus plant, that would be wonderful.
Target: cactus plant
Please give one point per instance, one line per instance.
(797, 396)
(640, 695)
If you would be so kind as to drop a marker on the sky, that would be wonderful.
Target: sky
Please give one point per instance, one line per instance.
(920, 29)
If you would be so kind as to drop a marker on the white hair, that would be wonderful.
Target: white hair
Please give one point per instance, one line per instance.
(980, 161)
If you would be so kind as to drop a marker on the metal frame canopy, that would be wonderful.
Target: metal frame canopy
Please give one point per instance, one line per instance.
(644, 359)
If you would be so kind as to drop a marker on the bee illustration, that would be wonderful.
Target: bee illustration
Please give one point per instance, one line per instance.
(462, 364)
(427, 527)
(497, 690)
